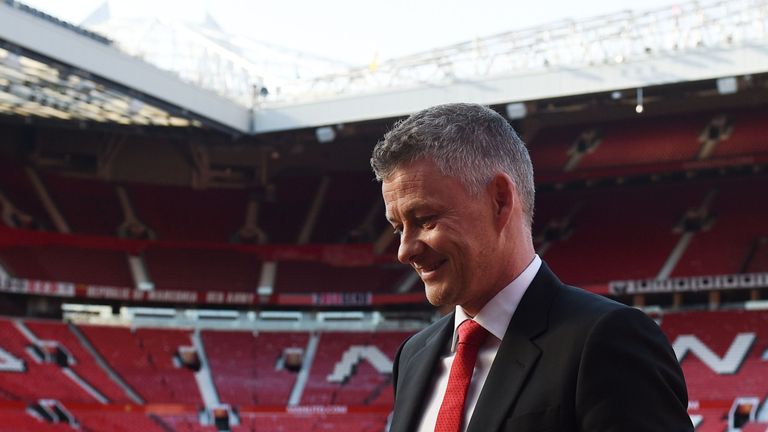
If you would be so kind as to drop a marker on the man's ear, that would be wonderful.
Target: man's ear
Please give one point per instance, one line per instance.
(503, 194)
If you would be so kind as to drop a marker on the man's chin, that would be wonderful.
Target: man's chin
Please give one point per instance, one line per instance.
(438, 295)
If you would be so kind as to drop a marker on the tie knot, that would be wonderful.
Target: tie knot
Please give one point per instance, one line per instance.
(472, 333)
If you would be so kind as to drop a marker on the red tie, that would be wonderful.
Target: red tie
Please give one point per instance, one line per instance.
(471, 336)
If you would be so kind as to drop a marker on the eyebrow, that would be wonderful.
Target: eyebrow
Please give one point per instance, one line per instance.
(409, 211)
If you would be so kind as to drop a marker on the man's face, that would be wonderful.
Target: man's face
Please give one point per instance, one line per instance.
(446, 235)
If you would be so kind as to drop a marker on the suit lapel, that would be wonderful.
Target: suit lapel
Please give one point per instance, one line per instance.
(418, 373)
(517, 354)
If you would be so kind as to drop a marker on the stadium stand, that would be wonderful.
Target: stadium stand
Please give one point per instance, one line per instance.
(727, 362)
(248, 369)
(739, 221)
(285, 423)
(755, 427)
(551, 148)
(713, 420)
(116, 420)
(144, 358)
(184, 423)
(67, 264)
(183, 214)
(38, 379)
(674, 192)
(89, 206)
(16, 186)
(202, 269)
(748, 136)
(285, 206)
(758, 260)
(85, 366)
(308, 277)
(722, 355)
(248, 372)
(599, 225)
(646, 141)
(365, 385)
(349, 199)
(19, 420)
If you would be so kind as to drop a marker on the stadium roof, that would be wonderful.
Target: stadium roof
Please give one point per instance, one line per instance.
(50, 69)
(222, 81)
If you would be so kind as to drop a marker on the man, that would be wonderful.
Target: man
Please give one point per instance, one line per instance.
(522, 352)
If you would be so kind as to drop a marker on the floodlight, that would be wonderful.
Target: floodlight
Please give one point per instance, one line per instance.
(325, 134)
(516, 111)
(727, 85)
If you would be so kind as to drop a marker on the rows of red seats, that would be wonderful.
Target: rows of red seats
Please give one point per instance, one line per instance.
(739, 217)
(628, 232)
(183, 214)
(748, 137)
(365, 386)
(648, 141)
(89, 207)
(18, 420)
(629, 229)
(17, 187)
(352, 422)
(68, 264)
(177, 213)
(193, 269)
(144, 358)
(759, 259)
(85, 365)
(755, 427)
(184, 423)
(40, 380)
(349, 199)
(116, 421)
(202, 269)
(717, 330)
(246, 372)
(713, 420)
(284, 209)
(245, 365)
(315, 277)
(618, 232)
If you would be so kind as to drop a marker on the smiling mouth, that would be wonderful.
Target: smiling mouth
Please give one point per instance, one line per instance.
(425, 271)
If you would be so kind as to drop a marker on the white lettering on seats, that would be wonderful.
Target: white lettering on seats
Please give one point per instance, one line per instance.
(10, 363)
(352, 357)
(728, 364)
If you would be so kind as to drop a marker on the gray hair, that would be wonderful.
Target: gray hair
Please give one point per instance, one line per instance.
(467, 141)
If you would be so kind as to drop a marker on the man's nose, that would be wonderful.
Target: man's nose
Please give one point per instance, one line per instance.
(411, 245)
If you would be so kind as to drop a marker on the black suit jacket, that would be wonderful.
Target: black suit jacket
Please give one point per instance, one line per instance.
(569, 361)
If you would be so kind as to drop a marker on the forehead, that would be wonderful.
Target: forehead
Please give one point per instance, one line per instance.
(411, 178)
(419, 183)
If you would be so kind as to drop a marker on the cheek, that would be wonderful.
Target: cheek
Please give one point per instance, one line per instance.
(480, 250)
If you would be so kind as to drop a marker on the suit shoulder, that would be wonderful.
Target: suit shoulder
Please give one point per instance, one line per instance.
(564, 302)
(591, 301)
(585, 306)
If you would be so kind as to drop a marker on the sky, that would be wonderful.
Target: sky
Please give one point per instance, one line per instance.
(354, 32)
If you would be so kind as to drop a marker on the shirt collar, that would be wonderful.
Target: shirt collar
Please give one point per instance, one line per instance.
(497, 313)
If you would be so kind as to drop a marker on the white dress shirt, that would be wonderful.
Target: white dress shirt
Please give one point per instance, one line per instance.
(494, 317)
